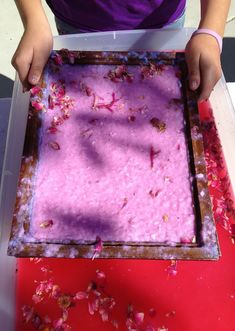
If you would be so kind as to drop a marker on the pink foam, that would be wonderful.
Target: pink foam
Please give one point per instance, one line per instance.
(102, 181)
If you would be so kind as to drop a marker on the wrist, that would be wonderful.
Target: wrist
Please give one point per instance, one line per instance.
(211, 33)
(38, 21)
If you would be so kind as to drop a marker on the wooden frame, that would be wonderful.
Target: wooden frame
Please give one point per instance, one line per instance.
(206, 244)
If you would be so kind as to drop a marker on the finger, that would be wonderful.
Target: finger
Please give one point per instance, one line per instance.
(209, 77)
(22, 66)
(193, 70)
(36, 68)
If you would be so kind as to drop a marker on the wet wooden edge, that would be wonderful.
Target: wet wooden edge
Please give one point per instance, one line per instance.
(206, 246)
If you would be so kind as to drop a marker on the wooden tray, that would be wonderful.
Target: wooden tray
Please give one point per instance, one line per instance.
(205, 246)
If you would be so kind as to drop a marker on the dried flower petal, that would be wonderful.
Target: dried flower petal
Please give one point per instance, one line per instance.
(37, 298)
(149, 328)
(27, 313)
(131, 118)
(57, 120)
(163, 328)
(81, 295)
(64, 301)
(152, 312)
(153, 193)
(232, 230)
(93, 306)
(37, 105)
(171, 314)
(115, 324)
(107, 106)
(46, 224)
(57, 58)
(152, 155)
(120, 74)
(151, 69)
(54, 145)
(98, 247)
(37, 321)
(100, 274)
(47, 319)
(55, 292)
(139, 318)
(35, 90)
(50, 102)
(158, 124)
(172, 268)
(86, 89)
(52, 130)
(165, 218)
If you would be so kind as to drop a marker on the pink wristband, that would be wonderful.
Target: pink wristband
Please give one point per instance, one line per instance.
(211, 33)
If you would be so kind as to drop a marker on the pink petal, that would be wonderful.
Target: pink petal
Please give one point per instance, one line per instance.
(37, 105)
(58, 59)
(46, 224)
(86, 89)
(58, 323)
(54, 145)
(56, 292)
(172, 268)
(149, 328)
(139, 318)
(115, 324)
(81, 295)
(171, 314)
(37, 298)
(91, 308)
(152, 154)
(35, 90)
(52, 130)
(37, 321)
(47, 320)
(65, 315)
(50, 102)
(27, 313)
(57, 120)
(100, 274)
(98, 245)
(104, 314)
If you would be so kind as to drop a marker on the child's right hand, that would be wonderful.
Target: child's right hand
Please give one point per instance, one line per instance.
(32, 54)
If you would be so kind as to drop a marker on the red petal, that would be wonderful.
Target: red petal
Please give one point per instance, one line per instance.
(139, 318)
(52, 130)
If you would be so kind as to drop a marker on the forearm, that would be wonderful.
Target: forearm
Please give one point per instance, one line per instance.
(32, 13)
(214, 14)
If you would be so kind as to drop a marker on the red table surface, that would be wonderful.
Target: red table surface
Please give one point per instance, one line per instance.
(200, 296)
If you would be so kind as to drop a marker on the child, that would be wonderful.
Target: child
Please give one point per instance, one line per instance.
(72, 16)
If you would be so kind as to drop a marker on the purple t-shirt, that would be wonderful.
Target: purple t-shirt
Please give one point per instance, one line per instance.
(108, 15)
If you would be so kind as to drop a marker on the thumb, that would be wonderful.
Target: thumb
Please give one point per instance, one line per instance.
(194, 71)
(36, 69)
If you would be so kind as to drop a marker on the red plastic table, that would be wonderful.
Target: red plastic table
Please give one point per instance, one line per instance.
(137, 295)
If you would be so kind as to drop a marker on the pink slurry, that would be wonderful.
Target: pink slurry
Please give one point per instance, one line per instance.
(114, 174)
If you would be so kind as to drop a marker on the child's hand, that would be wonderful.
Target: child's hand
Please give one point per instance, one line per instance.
(32, 54)
(203, 59)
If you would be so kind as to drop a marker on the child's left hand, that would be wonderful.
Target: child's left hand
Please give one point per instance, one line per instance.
(203, 59)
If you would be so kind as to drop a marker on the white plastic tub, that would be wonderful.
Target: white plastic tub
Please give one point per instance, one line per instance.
(123, 40)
